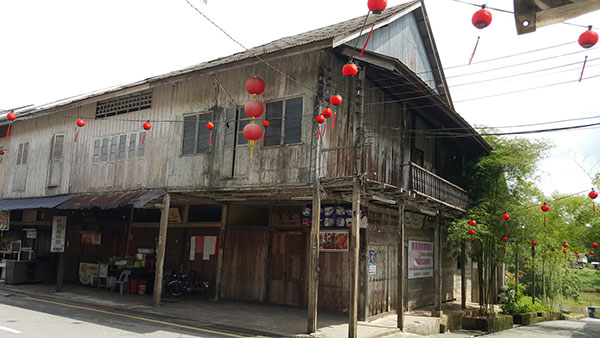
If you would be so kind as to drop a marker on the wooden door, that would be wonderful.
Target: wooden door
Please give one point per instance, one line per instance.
(287, 268)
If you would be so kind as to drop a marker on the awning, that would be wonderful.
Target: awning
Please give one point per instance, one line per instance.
(33, 203)
(112, 200)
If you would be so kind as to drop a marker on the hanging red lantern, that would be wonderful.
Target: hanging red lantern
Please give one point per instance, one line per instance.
(11, 116)
(266, 123)
(471, 232)
(1, 152)
(592, 253)
(520, 272)
(588, 38)
(594, 245)
(472, 222)
(564, 251)
(505, 217)
(80, 122)
(255, 86)
(565, 245)
(577, 252)
(327, 112)
(545, 209)
(377, 6)
(320, 119)
(350, 69)
(254, 109)
(504, 239)
(252, 132)
(482, 18)
(147, 125)
(534, 242)
(552, 249)
(336, 99)
(524, 266)
(210, 126)
(593, 195)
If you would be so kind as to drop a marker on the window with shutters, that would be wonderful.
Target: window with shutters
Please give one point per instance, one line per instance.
(118, 147)
(286, 122)
(56, 160)
(21, 167)
(196, 136)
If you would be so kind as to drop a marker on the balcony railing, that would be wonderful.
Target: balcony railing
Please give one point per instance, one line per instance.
(428, 184)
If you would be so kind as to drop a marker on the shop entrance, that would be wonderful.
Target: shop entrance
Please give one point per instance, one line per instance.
(286, 277)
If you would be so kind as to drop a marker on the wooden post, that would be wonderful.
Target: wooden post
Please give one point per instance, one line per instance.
(400, 295)
(128, 233)
(533, 274)
(60, 274)
(437, 274)
(516, 267)
(463, 276)
(220, 248)
(162, 244)
(313, 272)
(356, 191)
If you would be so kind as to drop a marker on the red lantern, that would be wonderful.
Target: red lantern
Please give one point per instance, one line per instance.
(147, 125)
(524, 266)
(576, 252)
(210, 125)
(350, 69)
(505, 217)
(545, 207)
(482, 18)
(472, 222)
(255, 86)
(520, 272)
(327, 113)
(252, 132)
(266, 123)
(377, 6)
(588, 38)
(504, 239)
(593, 194)
(336, 99)
(592, 253)
(1, 152)
(594, 245)
(552, 249)
(80, 122)
(534, 242)
(11, 116)
(564, 251)
(254, 109)
(320, 119)
(471, 232)
(565, 245)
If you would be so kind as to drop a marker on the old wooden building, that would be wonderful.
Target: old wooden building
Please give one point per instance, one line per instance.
(111, 175)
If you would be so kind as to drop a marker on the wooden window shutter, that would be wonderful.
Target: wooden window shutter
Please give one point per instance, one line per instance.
(56, 161)
(20, 178)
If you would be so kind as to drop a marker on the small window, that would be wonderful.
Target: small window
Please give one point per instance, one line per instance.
(113, 148)
(97, 148)
(104, 155)
(122, 147)
(286, 122)
(196, 137)
(132, 139)
(22, 153)
(141, 146)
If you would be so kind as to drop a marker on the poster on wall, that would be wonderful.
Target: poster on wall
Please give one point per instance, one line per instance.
(204, 245)
(4, 221)
(334, 216)
(59, 231)
(420, 259)
(333, 241)
(91, 237)
(372, 262)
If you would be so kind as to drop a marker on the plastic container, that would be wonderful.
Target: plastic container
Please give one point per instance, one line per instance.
(133, 286)
(141, 286)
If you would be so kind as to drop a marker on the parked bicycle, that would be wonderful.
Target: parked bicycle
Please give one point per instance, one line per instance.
(182, 283)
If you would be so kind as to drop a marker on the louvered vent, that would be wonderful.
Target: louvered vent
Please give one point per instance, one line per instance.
(124, 104)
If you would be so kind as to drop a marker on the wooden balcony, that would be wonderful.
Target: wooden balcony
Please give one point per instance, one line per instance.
(427, 184)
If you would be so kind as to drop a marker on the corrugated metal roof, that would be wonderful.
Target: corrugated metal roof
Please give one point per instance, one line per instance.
(112, 200)
(319, 34)
(33, 203)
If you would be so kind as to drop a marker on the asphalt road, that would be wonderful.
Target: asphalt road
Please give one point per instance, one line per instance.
(22, 316)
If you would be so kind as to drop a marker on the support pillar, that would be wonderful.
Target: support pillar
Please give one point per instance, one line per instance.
(162, 244)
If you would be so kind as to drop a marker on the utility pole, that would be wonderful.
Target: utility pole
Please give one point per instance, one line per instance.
(400, 295)
(533, 273)
(463, 276)
(313, 272)
(516, 266)
(356, 192)
(162, 244)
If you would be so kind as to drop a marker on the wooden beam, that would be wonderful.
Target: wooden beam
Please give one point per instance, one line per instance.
(220, 248)
(463, 275)
(400, 284)
(162, 244)
(437, 274)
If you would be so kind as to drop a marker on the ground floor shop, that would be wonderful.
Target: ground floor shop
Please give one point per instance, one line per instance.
(252, 250)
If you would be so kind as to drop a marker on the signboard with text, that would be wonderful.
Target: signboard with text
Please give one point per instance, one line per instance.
(420, 259)
(59, 232)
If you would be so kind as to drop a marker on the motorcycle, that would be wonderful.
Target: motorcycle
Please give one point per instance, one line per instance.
(188, 283)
